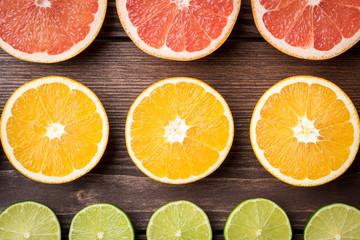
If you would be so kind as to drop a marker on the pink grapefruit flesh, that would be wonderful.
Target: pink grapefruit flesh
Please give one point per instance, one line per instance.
(313, 29)
(178, 29)
(49, 30)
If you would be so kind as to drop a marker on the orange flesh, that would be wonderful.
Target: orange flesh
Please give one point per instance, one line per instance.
(296, 158)
(31, 28)
(207, 136)
(320, 26)
(181, 25)
(37, 109)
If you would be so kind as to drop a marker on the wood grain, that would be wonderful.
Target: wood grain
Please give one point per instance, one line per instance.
(118, 72)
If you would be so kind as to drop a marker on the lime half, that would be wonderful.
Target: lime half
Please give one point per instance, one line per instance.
(179, 221)
(258, 219)
(101, 221)
(29, 220)
(334, 222)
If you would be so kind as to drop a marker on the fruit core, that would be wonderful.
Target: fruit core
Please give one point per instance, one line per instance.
(178, 233)
(258, 233)
(337, 237)
(305, 131)
(100, 235)
(55, 130)
(182, 3)
(43, 3)
(175, 131)
(27, 235)
(314, 2)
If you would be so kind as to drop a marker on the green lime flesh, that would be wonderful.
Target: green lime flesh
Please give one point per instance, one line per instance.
(334, 222)
(29, 221)
(181, 220)
(101, 221)
(258, 219)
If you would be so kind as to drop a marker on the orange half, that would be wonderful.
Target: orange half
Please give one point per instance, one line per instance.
(54, 130)
(179, 130)
(305, 131)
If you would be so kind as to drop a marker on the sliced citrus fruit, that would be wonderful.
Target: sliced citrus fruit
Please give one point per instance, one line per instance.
(258, 219)
(101, 221)
(54, 129)
(310, 29)
(305, 131)
(334, 222)
(179, 220)
(178, 29)
(49, 31)
(29, 220)
(179, 130)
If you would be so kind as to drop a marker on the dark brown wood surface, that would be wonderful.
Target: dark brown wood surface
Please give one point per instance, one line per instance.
(241, 70)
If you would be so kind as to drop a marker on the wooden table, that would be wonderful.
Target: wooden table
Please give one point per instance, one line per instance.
(241, 70)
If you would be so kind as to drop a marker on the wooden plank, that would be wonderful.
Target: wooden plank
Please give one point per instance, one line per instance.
(244, 27)
(118, 72)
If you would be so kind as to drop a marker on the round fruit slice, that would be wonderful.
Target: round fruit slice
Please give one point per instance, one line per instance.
(179, 220)
(54, 129)
(29, 220)
(336, 221)
(305, 131)
(178, 29)
(310, 29)
(101, 221)
(179, 130)
(258, 219)
(49, 31)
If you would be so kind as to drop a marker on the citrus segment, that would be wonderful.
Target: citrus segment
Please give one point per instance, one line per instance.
(179, 130)
(334, 221)
(179, 221)
(49, 30)
(178, 29)
(101, 221)
(54, 129)
(258, 219)
(29, 220)
(315, 29)
(305, 131)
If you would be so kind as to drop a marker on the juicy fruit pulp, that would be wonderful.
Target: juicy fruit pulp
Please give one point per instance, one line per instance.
(318, 24)
(55, 25)
(258, 219)
(29, 220)
(306, 131)
(101, 222)
(335, 221)
(181, 25)
(179, 220)
(54, 129)
(179, 131)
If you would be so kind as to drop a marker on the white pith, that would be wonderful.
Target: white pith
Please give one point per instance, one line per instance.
(188, 204)
(100, 235)
(229, 221)
(337, 237)
(182, 3)
(222, 154)
(55, 130)
(176, 130)
(43, 3)
(310, 53)
(305, 131)
(73, 86)
(314, 2)
(27, 235)
(165, 52)
(44, 57)
(354, 120)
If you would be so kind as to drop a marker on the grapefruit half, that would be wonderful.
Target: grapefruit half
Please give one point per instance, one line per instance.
(309, 29)
(178, 29)
(49, 31)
